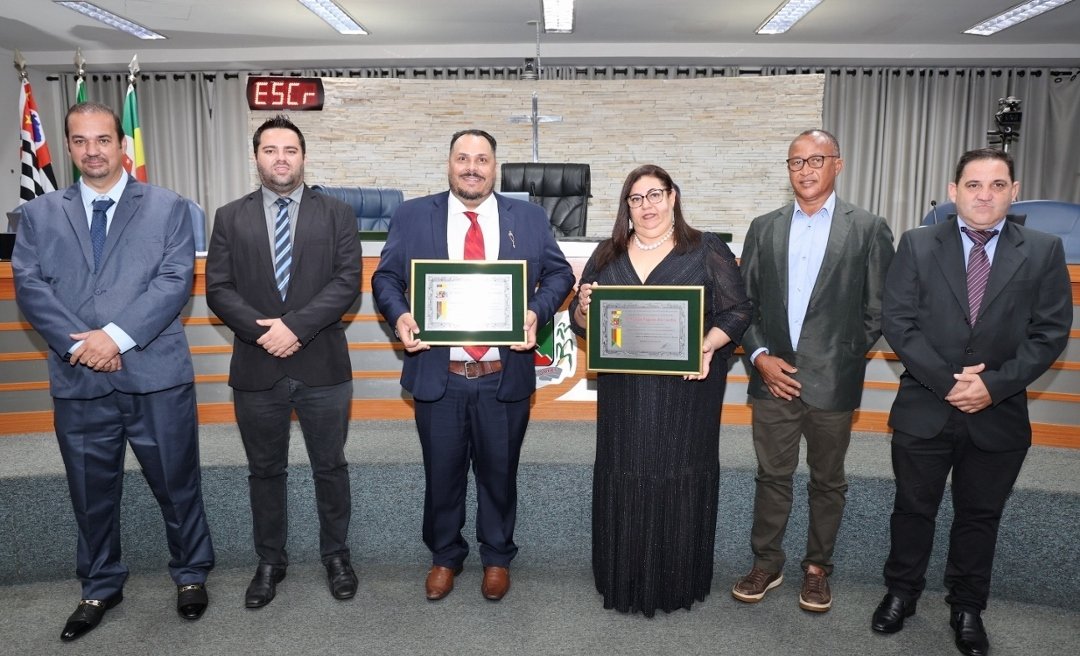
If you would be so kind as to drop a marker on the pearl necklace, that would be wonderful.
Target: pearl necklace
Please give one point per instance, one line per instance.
(656, 244)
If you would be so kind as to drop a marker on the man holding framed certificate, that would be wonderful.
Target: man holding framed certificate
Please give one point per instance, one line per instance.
(465, 278)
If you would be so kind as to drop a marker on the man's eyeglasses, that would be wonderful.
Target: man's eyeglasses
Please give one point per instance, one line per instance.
(654, 196)
(815, 162)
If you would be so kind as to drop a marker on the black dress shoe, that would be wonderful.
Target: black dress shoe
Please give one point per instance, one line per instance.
(191, 600)
(971, 637)
(88, 615)
(263, 586)
(341, 578)
(890, 614)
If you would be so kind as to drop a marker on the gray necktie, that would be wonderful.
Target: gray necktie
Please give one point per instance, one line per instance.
(978, 270)
(282, 247)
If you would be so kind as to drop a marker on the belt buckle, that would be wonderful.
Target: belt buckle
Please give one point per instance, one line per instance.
(477, 370)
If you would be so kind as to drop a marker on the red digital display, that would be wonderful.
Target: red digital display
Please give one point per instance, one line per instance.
(291, 93)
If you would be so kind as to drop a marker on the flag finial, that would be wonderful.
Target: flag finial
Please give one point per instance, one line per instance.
(20, 64)
(133, 68)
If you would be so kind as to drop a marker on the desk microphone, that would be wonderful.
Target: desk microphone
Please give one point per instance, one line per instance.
(933, 205)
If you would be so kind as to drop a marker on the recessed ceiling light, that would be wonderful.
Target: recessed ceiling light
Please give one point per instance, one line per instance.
(112, 20)
(558, 16)
(330, 12)
(786, 15)
(1017, 14)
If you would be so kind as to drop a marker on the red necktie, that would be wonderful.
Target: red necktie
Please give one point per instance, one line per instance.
(474, 250)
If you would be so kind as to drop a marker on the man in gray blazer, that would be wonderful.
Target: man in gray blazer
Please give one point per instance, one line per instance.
(977, 308)
(814, 270)
(102, 271)
(282, 268)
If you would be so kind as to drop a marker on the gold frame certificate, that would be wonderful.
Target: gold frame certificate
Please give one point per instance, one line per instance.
(646, 329)
(463, 302)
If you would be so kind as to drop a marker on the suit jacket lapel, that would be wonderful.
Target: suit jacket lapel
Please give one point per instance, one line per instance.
(839, 227)
(507, 244)
(781, 231)
(307, 224)
(76, 216)
(122, 216)
(439, 210)
(1008, 256)
(949, 256)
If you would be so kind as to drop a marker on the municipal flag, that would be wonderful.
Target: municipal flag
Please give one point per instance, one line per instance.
(80, 97)
(134, 156)
(37, 174)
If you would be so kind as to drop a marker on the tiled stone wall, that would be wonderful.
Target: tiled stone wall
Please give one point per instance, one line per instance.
(722, 139)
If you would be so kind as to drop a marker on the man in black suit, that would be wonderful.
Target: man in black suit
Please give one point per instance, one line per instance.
(977, 309)
(471, 405)
(282, 268)
(814, 270)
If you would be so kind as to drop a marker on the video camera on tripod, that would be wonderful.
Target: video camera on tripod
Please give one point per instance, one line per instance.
(1008, 119)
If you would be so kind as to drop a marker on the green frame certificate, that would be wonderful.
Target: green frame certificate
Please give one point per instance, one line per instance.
(646, 329)
(463, 302)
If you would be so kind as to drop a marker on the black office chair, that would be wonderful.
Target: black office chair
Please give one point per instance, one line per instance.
(561, 189)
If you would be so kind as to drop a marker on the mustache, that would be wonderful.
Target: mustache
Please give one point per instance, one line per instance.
(476, 174)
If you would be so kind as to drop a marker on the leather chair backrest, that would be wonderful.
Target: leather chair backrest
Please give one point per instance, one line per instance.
(561, 189)
(198, 224)
(373, 206)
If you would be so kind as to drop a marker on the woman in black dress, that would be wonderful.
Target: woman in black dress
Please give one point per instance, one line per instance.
(656, 476)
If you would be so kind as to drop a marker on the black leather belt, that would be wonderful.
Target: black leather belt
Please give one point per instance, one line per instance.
(475, 369)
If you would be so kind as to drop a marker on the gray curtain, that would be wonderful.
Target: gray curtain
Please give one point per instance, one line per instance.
(901, 130)
(194, 128)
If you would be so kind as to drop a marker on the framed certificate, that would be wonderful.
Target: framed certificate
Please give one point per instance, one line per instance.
(646, 329)
(459, 302)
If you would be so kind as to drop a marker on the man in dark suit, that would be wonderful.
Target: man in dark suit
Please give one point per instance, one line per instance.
(102, 271)
(814, 270)
(282, 268)
(977, 309)
(470, 406)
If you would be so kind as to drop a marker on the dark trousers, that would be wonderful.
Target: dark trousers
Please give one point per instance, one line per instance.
(469, 425)
(161, 428)
(264, 419)
(778, 426)
(981, 482)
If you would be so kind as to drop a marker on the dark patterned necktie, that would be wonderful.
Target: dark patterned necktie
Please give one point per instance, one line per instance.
(282, 247)
(98, 222)
(978, 270)
(474, 250)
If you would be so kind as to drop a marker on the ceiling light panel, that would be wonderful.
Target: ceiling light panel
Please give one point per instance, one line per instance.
(1017, 14)
(786, 15)
(111, 19)
(558, 16)
(334, 15)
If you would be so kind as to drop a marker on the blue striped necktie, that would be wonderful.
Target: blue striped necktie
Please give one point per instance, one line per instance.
(98, 221)
(282, 247)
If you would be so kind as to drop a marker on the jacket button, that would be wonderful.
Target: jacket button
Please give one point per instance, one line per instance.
(969, 351)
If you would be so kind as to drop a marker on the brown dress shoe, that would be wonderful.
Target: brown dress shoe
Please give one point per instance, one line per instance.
(815, 595)
(496, 583)
(440, 581)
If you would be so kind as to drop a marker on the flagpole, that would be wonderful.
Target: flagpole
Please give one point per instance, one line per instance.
(80, 96)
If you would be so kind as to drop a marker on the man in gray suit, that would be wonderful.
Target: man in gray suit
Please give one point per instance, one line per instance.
(102, 270)
(814, 270)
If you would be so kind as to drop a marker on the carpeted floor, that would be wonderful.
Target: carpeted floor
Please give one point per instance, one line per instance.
(552, 607)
